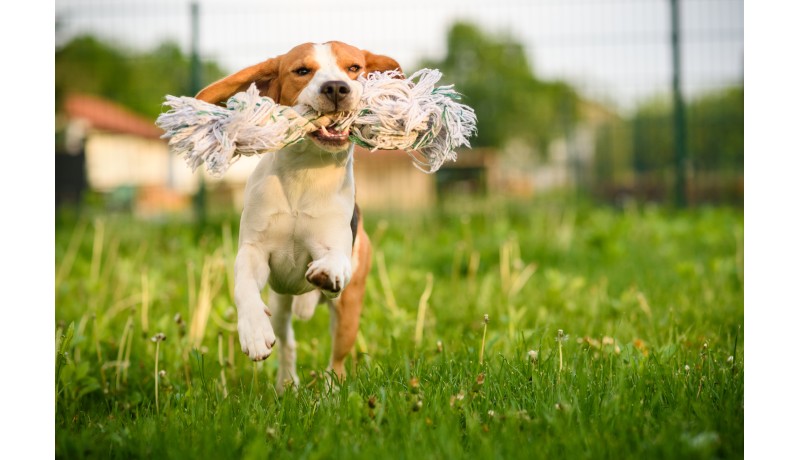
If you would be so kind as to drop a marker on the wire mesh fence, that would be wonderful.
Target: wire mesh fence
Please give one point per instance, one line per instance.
(601, 76)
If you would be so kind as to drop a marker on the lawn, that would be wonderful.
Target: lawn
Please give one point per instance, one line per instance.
(611, 333)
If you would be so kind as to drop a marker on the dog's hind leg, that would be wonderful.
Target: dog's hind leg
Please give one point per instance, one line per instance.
(287, 348)
(303, 306)
(251, 270)
(346, 310)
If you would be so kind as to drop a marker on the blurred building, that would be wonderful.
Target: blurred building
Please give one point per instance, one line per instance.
(123, 156)
(106, 148)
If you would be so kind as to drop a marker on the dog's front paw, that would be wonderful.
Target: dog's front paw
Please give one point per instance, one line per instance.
(331, 274)
(256, 335)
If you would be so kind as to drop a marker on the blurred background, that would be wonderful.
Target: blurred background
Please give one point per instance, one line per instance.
(614, 100)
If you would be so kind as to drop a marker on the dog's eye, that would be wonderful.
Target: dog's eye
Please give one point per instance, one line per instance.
(354, 68)
(302, 71)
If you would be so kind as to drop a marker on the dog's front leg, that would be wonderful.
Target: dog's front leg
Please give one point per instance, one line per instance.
(251, 271)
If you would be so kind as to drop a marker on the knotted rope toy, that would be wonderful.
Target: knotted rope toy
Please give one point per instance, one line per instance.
(393, 113)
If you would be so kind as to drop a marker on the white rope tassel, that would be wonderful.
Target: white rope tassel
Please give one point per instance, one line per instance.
(415, 117)
(393, 114)
(217, 136)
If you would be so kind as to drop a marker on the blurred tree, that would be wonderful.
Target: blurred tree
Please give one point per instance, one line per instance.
(716, 133)
(651, 126)
(497, 80)
(636, 153)
(138, 81)
(717, 142)
(612, 153)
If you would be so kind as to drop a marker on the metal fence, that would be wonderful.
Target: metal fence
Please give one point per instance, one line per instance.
(664, 93)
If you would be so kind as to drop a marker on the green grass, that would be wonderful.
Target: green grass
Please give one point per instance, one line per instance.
(651, 301)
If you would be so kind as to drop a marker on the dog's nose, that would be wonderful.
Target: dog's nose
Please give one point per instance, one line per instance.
(335, 90)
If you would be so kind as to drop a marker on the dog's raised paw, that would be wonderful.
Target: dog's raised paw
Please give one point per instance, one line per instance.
(323, 281)
(330, 274)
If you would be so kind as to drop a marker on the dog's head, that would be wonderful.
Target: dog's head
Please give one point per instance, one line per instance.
(321, 76)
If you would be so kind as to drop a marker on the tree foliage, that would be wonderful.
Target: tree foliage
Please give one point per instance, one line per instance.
(717, 142)
(496, 79)
(715, 133)
(137, 80)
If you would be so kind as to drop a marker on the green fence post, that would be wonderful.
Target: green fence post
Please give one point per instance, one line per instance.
(678, 110)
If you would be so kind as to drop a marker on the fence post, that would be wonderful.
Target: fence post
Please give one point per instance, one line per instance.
(194, 83)
(678, 109)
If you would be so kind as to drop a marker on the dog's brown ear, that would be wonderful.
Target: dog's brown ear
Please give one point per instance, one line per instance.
(379, 63)
(262, 74)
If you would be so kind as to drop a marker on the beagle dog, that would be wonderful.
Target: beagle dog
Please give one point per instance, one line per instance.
(301, 231)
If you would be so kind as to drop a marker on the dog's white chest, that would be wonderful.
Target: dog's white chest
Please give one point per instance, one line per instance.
(295, 204)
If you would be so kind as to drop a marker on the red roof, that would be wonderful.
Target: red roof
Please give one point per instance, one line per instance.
(105, 115)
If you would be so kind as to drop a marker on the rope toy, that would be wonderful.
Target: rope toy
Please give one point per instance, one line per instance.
(393, 114)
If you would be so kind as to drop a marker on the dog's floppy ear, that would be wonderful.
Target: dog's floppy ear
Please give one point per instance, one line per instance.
(379, 63)
(262, 74)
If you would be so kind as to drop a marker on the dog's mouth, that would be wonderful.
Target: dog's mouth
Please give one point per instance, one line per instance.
(330, 136)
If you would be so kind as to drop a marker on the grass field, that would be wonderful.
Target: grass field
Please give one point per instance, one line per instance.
(649, 363)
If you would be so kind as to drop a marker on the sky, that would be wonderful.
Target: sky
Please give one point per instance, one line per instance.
(614, 51)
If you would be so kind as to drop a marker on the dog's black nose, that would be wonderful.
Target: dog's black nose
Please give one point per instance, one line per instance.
(335, 90)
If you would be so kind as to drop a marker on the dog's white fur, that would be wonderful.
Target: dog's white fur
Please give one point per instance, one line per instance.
(296, 223)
